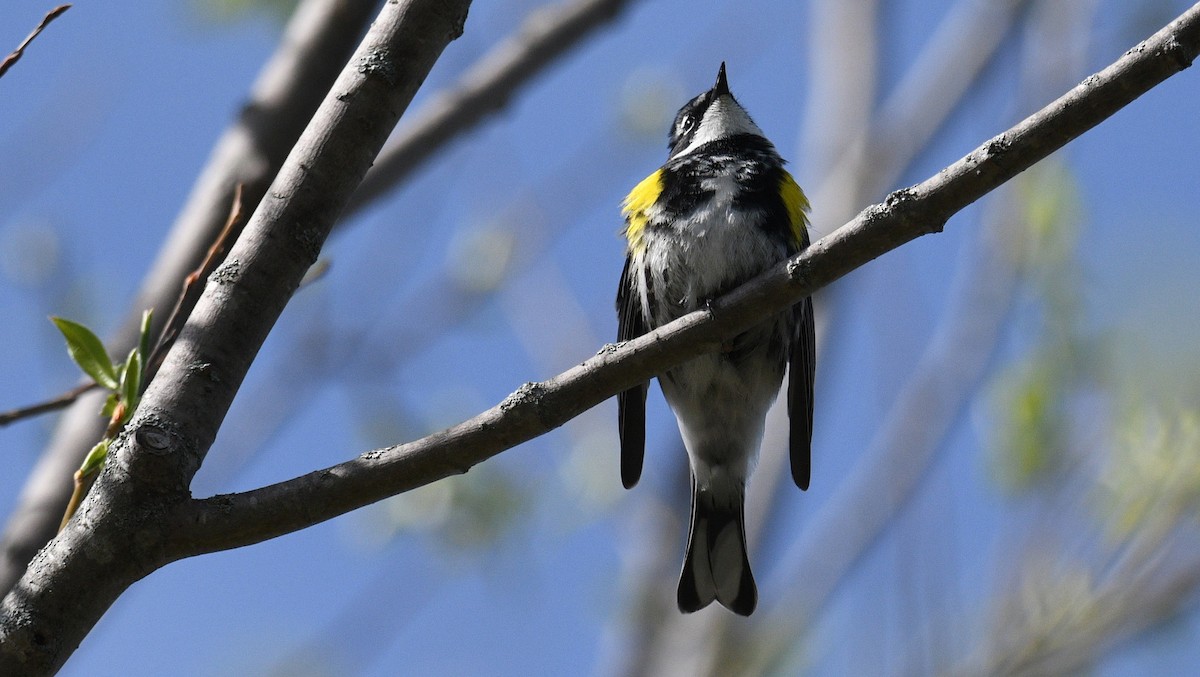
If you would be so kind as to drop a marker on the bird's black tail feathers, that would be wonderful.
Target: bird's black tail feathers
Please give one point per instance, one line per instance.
(716, 566)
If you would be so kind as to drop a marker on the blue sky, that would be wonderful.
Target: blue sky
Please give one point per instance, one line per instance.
(111, 114)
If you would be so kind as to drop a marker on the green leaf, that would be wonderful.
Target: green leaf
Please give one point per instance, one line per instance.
(95, 458)
(88, 352)
(110, 405)
(131, 381)
(144, 346)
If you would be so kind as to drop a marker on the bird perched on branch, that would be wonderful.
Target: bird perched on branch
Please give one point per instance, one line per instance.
(719, 212)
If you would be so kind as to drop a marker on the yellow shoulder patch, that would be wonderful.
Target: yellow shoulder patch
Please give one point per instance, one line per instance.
(797, 205)
(635, 206)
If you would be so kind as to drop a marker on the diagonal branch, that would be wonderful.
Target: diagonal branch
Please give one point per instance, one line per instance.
(242, 519)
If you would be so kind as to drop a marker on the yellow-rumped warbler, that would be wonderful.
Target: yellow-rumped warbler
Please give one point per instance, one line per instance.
(720, 211)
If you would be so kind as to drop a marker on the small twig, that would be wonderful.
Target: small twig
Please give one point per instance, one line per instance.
(82, 484)
(61, 402)
(192, 284)
(20, 50)
(85, 477)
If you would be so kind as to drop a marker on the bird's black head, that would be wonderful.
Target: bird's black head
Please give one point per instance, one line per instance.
(712, 115)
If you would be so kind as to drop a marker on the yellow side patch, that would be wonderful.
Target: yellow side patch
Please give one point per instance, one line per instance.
(635, 206)
(796, 204)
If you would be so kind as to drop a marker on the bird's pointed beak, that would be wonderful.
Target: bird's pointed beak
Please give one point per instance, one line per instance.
(722, 86)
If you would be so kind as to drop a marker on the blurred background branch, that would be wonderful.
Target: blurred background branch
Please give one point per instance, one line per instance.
(546, 35)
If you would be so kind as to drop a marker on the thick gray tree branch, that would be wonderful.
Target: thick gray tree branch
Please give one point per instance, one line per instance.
(242, 519)
(120, 535)
(316, 43)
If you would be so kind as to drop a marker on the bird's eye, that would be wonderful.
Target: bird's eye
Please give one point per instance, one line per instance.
(687, 123)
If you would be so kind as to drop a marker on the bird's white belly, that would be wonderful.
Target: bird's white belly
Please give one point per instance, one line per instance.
(712, 249)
